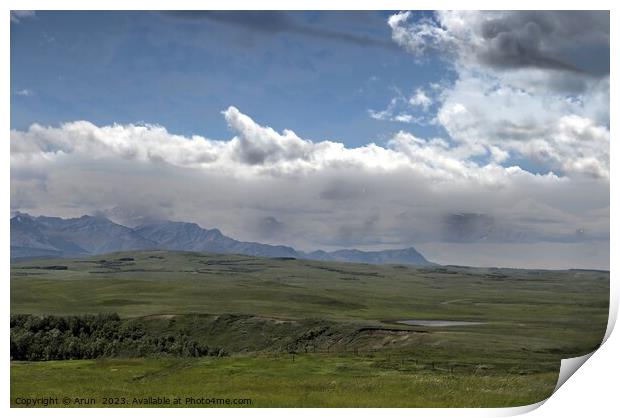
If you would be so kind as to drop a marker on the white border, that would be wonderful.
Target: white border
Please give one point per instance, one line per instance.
(593, 389)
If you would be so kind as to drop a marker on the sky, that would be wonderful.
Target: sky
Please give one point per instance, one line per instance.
(480, 138)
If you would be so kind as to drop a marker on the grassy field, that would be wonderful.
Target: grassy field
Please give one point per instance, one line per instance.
(306, 381)
(260, 310)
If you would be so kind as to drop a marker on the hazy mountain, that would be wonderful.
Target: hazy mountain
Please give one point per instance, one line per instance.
(51, 236)
(42, 235)
(403, 256)
(29, 240)
(191, 237)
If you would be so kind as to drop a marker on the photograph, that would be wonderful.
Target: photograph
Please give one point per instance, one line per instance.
(306, 208)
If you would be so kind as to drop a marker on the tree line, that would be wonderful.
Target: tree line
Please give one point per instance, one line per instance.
(39, 338)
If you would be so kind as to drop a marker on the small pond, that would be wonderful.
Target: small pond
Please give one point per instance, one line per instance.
(437, 323)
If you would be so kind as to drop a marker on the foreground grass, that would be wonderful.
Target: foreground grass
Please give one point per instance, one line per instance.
(276, 381)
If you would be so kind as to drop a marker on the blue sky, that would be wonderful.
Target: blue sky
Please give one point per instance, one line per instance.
(130, 67)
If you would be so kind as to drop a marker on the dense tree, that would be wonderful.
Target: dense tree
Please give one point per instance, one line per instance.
(37, 338)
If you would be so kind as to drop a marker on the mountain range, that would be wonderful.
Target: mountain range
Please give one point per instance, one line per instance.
(45, 236)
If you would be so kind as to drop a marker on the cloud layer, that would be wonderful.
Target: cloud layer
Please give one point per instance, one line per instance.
(260, 150)
(278, 187)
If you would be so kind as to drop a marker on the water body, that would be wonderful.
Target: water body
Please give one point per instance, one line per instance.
(437, 323)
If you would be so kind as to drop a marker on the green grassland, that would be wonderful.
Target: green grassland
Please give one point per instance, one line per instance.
(307, 333)
(277, 381)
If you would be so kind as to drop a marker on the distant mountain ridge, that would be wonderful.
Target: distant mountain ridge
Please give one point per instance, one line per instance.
(44, 236)
(50, 236)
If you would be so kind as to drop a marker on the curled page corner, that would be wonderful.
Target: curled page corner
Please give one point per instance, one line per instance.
(520, 410)
(569, 366)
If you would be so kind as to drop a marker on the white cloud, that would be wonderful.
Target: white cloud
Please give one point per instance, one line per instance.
(418, 38)
(257, 145)
(129, 142)
(548, 130)
(405, 118)
(254, 149)
(420, 99)
(24, 92)
(498, 155)
(18, 15)
(405, 109)
(522, 89)
(388, 113)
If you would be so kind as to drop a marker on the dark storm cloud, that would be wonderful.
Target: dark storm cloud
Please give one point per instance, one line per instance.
(574, 42)
(563, 40)
(274, 21)
(480, 227)
(467, 227)
(484, 228)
